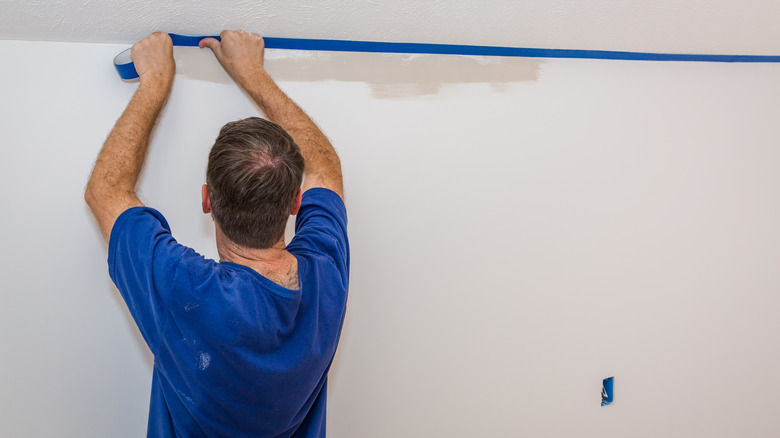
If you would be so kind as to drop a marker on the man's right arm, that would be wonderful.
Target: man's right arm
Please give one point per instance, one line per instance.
(241, 54)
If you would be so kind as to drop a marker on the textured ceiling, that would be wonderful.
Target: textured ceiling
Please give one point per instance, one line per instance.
(744, 27)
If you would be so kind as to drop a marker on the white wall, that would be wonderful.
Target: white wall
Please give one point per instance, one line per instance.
(520, 230)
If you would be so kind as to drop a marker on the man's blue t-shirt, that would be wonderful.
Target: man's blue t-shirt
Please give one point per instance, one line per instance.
(235, 355)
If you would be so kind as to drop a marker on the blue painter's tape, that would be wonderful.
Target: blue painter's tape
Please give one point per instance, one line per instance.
(190, 41)
(607, 391)
(127, 70)
(454, 49)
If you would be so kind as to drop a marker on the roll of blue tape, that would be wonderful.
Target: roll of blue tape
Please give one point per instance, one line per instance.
(124, 65)
(124, 62)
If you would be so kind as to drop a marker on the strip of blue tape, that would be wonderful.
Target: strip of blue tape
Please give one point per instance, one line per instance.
(127, 71)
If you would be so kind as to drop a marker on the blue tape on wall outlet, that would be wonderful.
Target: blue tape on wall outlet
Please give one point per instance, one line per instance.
(607, 391)
(124, 64)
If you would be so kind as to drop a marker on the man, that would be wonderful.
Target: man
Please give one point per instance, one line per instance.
(242, 346)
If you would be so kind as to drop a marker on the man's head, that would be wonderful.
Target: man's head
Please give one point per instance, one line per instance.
(254, 173)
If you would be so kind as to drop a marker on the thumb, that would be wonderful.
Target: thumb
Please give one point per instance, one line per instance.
(213, 44)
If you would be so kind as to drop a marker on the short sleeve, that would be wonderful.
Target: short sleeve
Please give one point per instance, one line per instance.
(321, 227)
(142, 260)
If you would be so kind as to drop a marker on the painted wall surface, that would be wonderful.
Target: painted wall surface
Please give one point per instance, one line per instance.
(520, 229)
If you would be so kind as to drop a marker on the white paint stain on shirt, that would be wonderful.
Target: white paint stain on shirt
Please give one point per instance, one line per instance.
(204, 360)
(188, 398)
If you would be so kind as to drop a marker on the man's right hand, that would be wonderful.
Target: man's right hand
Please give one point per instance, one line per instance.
(240, 53)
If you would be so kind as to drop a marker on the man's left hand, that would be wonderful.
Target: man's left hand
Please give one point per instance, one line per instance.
(153, 59)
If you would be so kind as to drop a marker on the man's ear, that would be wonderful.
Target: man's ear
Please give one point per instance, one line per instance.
(204, 194)
(297, 204)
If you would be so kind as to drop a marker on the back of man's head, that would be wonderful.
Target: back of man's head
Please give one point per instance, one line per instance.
(254, 172)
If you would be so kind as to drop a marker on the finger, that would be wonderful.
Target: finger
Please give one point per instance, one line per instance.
(136, 49)
(212, 44)
(164, 39)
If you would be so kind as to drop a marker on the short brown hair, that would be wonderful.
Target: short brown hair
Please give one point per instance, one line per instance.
(254, 172)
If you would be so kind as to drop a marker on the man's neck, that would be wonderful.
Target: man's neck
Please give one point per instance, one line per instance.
(231, 252)
(275, 263)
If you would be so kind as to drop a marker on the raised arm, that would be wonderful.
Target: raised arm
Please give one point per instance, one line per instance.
(241, 54)
(111, 187)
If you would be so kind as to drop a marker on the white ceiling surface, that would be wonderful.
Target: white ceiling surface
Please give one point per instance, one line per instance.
(744, 27)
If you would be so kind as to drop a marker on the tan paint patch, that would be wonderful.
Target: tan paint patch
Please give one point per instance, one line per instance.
(399, 75)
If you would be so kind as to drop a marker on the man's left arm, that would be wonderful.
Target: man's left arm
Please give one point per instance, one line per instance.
(111, 187)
